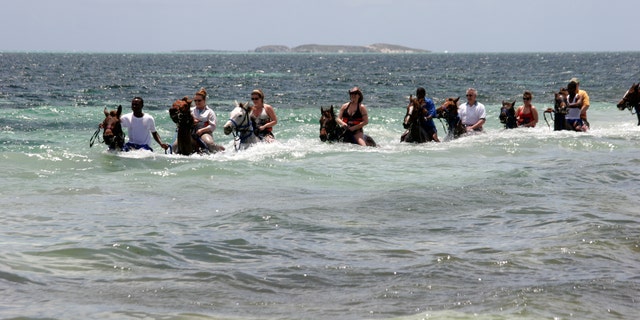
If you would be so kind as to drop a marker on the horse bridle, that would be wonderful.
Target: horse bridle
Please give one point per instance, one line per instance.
(96, 135)
(238, 129)
(627, 103)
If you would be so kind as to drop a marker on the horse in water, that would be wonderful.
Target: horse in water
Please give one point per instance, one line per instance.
(332, 132)
(180, 113)
(508, 115)
(112, 134)
(242, 127)
(413, 121)
(449, 111)
(631, 99)
(559, 111)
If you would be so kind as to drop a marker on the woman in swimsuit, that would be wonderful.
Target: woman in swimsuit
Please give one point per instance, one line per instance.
(353, 116)
(527, 114)
(264, 116)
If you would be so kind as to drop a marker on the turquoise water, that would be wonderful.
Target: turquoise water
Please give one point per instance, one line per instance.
(517, 224)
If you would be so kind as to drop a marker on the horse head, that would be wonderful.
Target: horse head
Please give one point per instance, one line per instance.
(415, 112)
(112, 135)
(631, 98)
(239, 119)
(448, 109)
(508, 114)
(180, 113)
(560, 101)
(327, 122)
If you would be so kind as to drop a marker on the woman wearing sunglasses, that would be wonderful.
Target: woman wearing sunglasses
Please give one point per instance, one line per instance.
(527, 114)
(264, 116)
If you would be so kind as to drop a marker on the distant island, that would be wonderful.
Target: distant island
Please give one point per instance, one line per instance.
(323, 48)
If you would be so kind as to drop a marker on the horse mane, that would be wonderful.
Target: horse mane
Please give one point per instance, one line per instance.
(246, 106)
(180, 112)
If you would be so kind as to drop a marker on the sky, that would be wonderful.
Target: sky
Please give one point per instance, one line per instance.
(243, 25)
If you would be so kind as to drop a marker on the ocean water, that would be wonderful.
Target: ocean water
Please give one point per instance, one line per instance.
(508, 224)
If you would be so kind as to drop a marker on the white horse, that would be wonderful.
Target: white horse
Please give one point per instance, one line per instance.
(241, 126)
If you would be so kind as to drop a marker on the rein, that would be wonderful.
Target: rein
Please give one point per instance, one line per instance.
(239, 138)
(544, 114)
(94, 137)
(443, 126)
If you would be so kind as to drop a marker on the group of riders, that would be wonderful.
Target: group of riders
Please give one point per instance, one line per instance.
(141, 126)
(569, 113)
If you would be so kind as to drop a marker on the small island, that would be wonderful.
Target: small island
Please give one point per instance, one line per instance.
(321, 48)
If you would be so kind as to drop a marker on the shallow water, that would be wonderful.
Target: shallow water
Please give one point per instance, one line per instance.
(525, 223)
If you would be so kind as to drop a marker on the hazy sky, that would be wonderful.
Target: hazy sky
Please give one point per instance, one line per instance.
(242, 25)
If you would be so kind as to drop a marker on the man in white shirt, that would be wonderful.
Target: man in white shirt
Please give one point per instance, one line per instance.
(472, 113)
(140, 127)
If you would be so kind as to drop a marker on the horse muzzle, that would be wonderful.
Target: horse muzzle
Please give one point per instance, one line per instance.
(622, 105)
(228, 128)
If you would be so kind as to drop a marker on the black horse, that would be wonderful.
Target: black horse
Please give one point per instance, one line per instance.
(508, 115)
(558, 112)
(631, 99)
(330, 130)
(413, 121)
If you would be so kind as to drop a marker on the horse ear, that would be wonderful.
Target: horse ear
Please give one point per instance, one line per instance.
(456, 100)
(513, 103)
(321, 109)
(331, 109)
(119, 112)
(106, 113)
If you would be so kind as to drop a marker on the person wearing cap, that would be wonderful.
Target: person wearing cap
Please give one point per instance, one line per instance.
(141, 127)
(574, 105)
(264, 116)
(472, 113)
(353, 116)
(585, 101)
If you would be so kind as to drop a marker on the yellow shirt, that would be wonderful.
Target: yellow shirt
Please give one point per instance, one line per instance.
(585, 97)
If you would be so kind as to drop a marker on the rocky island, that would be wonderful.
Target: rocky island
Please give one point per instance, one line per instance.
(321, 48)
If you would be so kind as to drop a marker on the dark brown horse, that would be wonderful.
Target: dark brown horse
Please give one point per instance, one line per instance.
(559, 111)
(449, 111)
(180, 113)
(112, 134)
(631, 99)
(330, 130)
(508, 115)
(413, 121)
